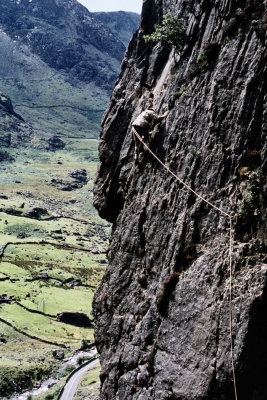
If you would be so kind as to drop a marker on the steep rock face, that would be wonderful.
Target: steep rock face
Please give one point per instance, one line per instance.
(162, 308)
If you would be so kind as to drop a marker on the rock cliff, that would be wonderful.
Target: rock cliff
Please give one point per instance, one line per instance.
(162, 309)
(14, 132)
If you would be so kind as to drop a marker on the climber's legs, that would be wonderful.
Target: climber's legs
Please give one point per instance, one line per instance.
(137, 144)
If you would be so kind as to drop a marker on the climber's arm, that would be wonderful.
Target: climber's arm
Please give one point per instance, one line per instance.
(159, 118)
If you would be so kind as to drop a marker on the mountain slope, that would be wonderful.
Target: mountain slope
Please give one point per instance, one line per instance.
(66, 36)
(122, 24)
(58, 64)
(162, 308)
(46, 97)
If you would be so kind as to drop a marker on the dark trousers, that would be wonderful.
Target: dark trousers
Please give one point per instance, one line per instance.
(143, 132)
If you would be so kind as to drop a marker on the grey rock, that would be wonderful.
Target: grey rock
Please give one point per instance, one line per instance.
(14, 132)
(169, 338)
(66, 36)
(6, 105)
(43, 275)
(79, 175)
(5, 139)
(3, 340)
(47, 141)
(102, 261)
(72, 282)
(74, 180)
(13, 211)
(23, 235)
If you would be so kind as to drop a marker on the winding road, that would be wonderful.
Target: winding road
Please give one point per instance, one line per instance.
(71, 386)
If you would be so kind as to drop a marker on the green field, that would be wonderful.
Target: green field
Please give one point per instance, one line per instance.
(23, 361)
(69, 241)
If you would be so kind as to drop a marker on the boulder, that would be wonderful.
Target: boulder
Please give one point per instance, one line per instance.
(55, 143)
(43, 275)
(74, 180)
(23, 235)
(74, 318)
(2, 339)
(5, 139)
(79, 175)
(35, 212)
(7, 106)
(58, 354)
(73, 282)
(47, 141)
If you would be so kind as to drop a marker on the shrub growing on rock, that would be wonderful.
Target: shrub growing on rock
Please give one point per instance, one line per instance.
(171, 31)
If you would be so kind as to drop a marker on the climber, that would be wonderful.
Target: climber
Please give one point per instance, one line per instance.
(143, 125)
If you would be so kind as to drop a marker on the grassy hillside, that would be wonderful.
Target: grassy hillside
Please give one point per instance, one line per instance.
(58, 64)
(49, 99)
(18, 369)
(66, 241)
(122, 24)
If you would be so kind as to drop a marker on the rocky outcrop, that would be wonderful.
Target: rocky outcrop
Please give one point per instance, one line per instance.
(74, 318)
(75, 180)
(35, 212)
(48, 141)
(7, 106)
(14, 132)
(162, 309)
(6, 298)
(58, 354)
(4, 156)
(59, 64)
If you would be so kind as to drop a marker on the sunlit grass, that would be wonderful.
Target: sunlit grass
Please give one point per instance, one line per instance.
(25, 184)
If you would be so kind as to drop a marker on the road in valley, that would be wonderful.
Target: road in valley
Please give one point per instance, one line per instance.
(48, 383)
(71, 386)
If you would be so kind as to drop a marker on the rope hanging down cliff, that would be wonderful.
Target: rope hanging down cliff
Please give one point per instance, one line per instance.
(225, 214)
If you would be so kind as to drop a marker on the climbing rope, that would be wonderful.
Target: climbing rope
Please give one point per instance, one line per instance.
(230, 303)
(230, 248)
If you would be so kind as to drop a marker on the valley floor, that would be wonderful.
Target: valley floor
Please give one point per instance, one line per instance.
(52, 256)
